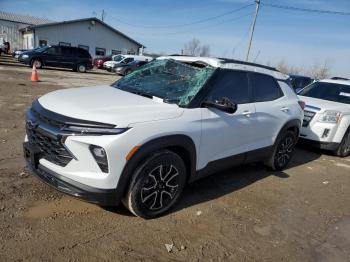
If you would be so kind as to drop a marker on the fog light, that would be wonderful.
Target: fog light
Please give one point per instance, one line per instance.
(100, 156)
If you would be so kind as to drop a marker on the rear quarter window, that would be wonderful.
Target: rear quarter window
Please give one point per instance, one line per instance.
(82, 53)
(265, 87)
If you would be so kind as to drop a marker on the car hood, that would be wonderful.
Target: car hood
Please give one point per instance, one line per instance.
(29, 53)
(107, 104)
(322, 105)
(110, 63)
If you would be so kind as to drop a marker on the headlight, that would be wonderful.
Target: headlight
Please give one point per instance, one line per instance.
(25, 56)
(330, 117)
(82, 130)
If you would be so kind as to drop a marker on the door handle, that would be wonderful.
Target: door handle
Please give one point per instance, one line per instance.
(247, 113)
(284, 109)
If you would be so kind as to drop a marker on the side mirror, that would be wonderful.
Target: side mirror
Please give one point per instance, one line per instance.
(225, 105)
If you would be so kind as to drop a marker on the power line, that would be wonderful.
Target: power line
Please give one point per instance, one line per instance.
(185, 24)
(208, 26)
(196, 29)
(307, 9)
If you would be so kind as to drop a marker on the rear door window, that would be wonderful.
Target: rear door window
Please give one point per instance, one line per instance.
(67, 51)
(231, 84)
(54, 50)
(265, 87)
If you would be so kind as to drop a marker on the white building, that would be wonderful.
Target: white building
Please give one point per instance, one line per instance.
(10, 26)
(89, 33)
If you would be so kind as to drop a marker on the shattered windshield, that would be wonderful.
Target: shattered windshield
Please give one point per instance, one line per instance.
(170, 80)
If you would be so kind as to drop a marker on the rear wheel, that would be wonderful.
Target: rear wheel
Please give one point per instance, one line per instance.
(344, 147)
(156, 185)
(81, 68)
(283, 151)
(37, 63)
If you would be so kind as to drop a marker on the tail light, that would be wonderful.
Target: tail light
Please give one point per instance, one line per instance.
(301, 104)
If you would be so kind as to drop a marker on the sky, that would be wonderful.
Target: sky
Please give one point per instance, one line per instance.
(301, 39)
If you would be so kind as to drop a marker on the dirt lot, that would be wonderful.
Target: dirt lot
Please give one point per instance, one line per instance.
(245, 214)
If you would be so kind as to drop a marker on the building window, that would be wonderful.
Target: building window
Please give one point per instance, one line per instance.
(131, 52)
(86, 47)
(42, 43)
(64, 44)
(116, 52)
(100, 51)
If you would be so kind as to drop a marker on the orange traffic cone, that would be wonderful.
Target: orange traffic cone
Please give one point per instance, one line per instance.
(35, 77)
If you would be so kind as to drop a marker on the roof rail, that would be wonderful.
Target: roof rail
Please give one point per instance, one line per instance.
(229, 60)
(178, 55)
(339, 78)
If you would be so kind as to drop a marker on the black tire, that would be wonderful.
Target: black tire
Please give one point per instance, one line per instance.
(150, 193)
(81, 68)
(128, 71)
(283, 151)
(344, 147)
(38, 63)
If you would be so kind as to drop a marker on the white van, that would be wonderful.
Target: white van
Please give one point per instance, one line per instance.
(124, 59)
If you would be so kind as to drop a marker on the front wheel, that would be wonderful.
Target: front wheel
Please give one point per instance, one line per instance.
(344, 147)
(283, 151)
(38, 64)
(156, 185)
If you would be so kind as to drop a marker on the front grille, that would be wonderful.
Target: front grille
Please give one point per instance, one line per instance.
(51, 149)
(308, 116)
(46, 120)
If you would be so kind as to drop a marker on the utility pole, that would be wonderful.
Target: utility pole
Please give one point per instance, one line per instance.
(253, 27)
(103, 15)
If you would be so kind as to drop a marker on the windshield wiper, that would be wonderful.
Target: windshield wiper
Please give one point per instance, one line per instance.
(140, 93)
(135, 91)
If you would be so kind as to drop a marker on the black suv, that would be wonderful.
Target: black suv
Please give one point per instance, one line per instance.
(75, 58)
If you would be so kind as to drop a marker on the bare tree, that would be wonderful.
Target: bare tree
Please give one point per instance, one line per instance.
(205, 50)
(317, 71)
(194, 48)
(320, 71)
(288, 69)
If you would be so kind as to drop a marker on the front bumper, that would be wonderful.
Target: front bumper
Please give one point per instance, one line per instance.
(319, 144)
(25, 61)
(103, 197)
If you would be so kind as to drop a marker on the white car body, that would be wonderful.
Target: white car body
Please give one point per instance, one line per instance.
(327, 135)
(256, 124)
(112, 63)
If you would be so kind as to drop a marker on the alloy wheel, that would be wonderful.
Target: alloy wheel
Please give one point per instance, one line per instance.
(37, 64)
(284, 151)
(81, 68)
(160, 187)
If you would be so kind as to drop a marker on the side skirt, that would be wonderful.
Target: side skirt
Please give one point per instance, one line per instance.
(226, 163)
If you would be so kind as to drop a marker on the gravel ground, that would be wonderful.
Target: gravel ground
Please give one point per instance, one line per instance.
(244, 214)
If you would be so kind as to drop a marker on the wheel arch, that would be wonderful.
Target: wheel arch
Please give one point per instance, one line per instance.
(36, 58)
(182, 145)
(293, 125)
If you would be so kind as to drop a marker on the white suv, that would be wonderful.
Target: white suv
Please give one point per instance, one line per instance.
(169, 123)
(327, 115)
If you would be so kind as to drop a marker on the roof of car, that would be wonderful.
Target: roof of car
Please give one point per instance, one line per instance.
(342, 82)
(299, 76)
(231, 64)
